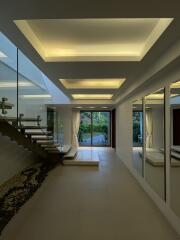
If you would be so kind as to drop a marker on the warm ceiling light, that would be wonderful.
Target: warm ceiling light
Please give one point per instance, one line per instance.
(78, 107)
(175, 85)
(2, 55)
(92, 83)
(91, 107)
(104, 107)
(14, 84)
(113, 39)
(157, 96)
(92, 96)
(36, 96)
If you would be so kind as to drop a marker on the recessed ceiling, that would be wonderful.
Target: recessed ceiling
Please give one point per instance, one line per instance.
(92, 96)
(156, 96)
(93, 39)
(92, 83)
(175, 85)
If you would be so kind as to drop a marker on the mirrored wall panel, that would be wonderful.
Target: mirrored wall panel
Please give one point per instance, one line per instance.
(137, 114)
(154, 131)
(175, 146)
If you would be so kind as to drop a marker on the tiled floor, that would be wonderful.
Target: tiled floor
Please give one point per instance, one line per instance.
(90, 203)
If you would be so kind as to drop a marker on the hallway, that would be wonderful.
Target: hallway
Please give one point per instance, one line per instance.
(90, 203)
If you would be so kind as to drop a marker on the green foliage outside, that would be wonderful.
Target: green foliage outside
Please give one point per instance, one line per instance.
(100, 124)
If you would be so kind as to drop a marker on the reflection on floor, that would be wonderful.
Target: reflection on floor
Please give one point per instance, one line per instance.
(155, 177)
(90, 203)
(86, 156)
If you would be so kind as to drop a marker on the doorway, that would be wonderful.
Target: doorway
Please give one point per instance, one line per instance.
(95, 128)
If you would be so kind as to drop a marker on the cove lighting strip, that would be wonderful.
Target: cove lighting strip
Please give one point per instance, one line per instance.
(92, 96)
(14, 84)
(36, 96)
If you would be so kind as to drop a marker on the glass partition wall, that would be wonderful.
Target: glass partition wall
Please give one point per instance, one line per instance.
(33, 95)
(137, 112)
(8, 78)
(24, 95)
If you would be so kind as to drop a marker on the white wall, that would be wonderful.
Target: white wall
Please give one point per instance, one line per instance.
(124, 132)
(13, 158)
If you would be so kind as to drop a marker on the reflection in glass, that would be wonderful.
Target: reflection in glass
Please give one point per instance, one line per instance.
(8, 78)
(175, 146)
(33, 95)
(137, 109)
(155, 162)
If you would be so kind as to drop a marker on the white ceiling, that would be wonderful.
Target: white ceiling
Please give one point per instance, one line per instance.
(138, 74)
(125, 39)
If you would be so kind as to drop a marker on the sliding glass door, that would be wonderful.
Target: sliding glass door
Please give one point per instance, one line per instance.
(100, 128)
(95, 128)
(85, 129)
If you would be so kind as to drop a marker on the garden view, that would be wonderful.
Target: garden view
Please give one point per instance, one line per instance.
(94, 129)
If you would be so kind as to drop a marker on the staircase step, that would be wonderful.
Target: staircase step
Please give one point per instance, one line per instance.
(6, 105)
(41, 137)
(71, 154)
(14, 119)
(50, 145)
(45, 142)
(32, 127)
(51, 149)
(37, 132)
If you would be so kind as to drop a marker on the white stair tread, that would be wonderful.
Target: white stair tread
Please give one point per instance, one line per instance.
(50, 145)
(71, 154)
(65, 149)
(176, 148)
(157, 159)
(41, 137)
(174, 153)
(35, 131)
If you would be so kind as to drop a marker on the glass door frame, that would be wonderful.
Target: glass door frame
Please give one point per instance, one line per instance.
(110, 118)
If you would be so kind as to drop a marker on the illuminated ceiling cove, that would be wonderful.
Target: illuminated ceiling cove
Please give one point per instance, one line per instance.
(92, 83)
(125, 39)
